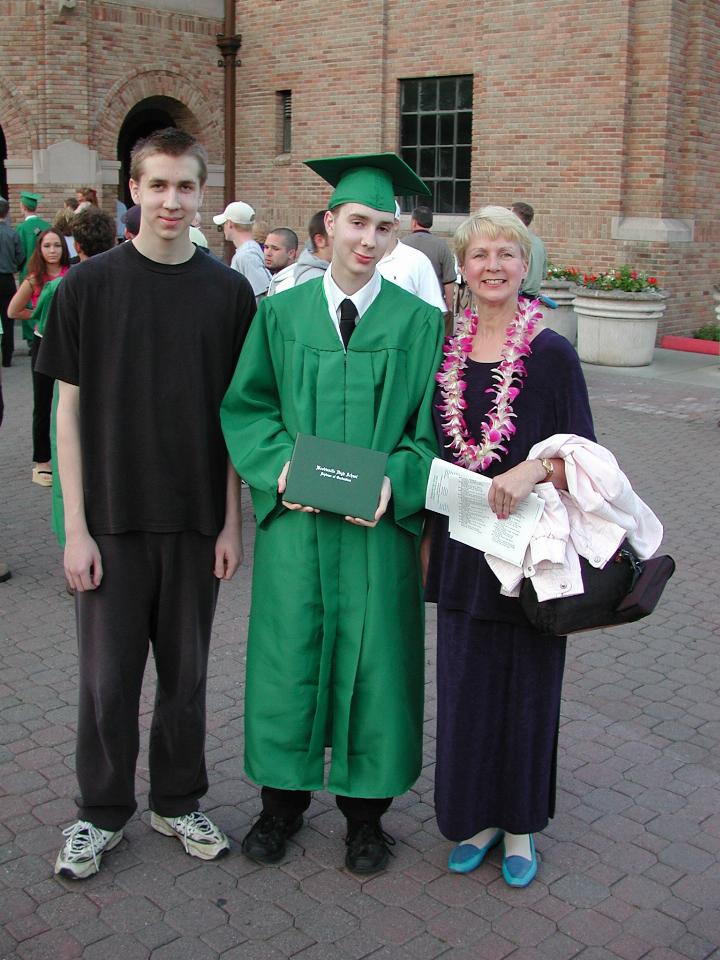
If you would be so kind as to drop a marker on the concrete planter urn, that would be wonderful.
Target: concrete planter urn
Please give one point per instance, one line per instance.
(562, 320)
(616, 328)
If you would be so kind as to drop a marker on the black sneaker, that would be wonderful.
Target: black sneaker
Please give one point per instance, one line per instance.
(367, 846)
(266, 840)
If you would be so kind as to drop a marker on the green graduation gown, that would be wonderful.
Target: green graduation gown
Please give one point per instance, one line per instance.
(38, 321)
(29, 230)
(336, 636)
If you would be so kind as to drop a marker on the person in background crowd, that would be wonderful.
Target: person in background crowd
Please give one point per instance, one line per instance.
(94, 233)
(132, 222)
(120, 211)
(196, 235)
(435, 249)
(29, 229)
(280, 252)
(87, 197)
(236, 221)
(12, 258)
(317, 253)
(259, 232)
(5, 572)
(50, 260)
(537, 266)
(410, 269)
(63, 223)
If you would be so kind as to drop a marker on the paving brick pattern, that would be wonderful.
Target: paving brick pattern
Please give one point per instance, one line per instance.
(630, 865)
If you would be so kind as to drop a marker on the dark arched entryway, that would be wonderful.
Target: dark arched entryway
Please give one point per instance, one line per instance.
(148, 115)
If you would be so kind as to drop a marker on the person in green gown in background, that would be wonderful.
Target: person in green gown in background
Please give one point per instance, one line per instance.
(93, 232)
(29, 229)
(336, 637)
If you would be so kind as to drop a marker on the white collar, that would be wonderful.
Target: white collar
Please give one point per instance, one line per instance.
(362, 298)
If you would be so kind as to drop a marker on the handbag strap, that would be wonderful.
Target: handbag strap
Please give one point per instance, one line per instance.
(626, 552)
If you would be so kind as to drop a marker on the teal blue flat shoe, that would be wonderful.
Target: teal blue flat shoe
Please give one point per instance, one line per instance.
(518, 871)
(466, 856)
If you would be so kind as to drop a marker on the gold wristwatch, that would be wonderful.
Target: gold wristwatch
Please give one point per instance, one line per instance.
(548, 467)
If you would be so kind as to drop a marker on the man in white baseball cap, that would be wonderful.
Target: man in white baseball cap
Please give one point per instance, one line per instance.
(236, 222)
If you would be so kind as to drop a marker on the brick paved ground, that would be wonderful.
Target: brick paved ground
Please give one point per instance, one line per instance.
(629, 867)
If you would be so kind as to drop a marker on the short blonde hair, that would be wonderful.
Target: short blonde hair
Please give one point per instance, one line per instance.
(492, 223)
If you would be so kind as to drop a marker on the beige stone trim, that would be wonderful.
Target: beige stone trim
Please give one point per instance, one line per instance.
(653, 229)
(216, 175)
(19, 170)
(109, 172)
(65, 161)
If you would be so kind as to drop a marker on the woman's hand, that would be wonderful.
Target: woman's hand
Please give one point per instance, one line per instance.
(508, 489)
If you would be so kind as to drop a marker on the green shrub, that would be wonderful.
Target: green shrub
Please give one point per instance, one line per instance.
(711, 331)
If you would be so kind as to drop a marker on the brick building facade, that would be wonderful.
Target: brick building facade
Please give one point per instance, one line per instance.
(605, 114)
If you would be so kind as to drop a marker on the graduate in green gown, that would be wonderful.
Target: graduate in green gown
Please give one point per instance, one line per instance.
(336, 637)
(29, 229)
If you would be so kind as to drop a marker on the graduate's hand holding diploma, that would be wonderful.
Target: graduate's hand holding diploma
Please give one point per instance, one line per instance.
(385, 494)
(282, 483)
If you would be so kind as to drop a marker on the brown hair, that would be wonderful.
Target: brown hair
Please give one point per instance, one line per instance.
(94, 231)
(89, 195)
(37, 268)
(170, 141)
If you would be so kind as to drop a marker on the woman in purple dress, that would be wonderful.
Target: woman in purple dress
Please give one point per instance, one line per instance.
(510, 383)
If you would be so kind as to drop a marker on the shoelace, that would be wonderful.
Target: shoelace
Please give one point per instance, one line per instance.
(194, 823)
(80, 836)
(367, 832)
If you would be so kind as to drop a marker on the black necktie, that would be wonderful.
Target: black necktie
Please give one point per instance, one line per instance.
(348, 316)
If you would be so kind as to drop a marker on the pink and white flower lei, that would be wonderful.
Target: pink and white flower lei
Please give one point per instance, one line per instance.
(497, 426)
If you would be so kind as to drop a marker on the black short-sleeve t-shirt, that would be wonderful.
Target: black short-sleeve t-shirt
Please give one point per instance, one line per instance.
(152, 347)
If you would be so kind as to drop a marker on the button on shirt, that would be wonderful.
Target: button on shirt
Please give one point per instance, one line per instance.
(362, 299)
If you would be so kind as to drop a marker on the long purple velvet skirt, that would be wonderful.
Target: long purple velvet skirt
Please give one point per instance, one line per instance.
(499, 687)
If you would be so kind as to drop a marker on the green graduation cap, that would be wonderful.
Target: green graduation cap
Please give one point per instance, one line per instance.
(31, 200)
(374, 179)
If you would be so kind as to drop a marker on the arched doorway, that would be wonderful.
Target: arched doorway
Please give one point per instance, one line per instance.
(152, 113)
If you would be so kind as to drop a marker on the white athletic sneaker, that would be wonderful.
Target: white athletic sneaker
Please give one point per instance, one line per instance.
(83, 850)
(196, 831)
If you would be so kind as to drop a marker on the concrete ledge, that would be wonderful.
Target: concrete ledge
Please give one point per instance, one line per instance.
(654, 229)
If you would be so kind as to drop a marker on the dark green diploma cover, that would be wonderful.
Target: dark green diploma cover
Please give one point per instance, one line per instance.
(337, 477)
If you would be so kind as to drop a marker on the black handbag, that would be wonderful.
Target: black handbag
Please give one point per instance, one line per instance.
(624, 590)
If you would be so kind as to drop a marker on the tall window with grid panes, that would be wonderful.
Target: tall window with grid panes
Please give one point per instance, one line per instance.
(435, 139)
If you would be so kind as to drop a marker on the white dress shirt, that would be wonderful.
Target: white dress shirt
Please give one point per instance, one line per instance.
(411, 269)
(362, 299)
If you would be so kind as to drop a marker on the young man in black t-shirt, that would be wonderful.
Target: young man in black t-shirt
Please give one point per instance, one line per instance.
(144, 340)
